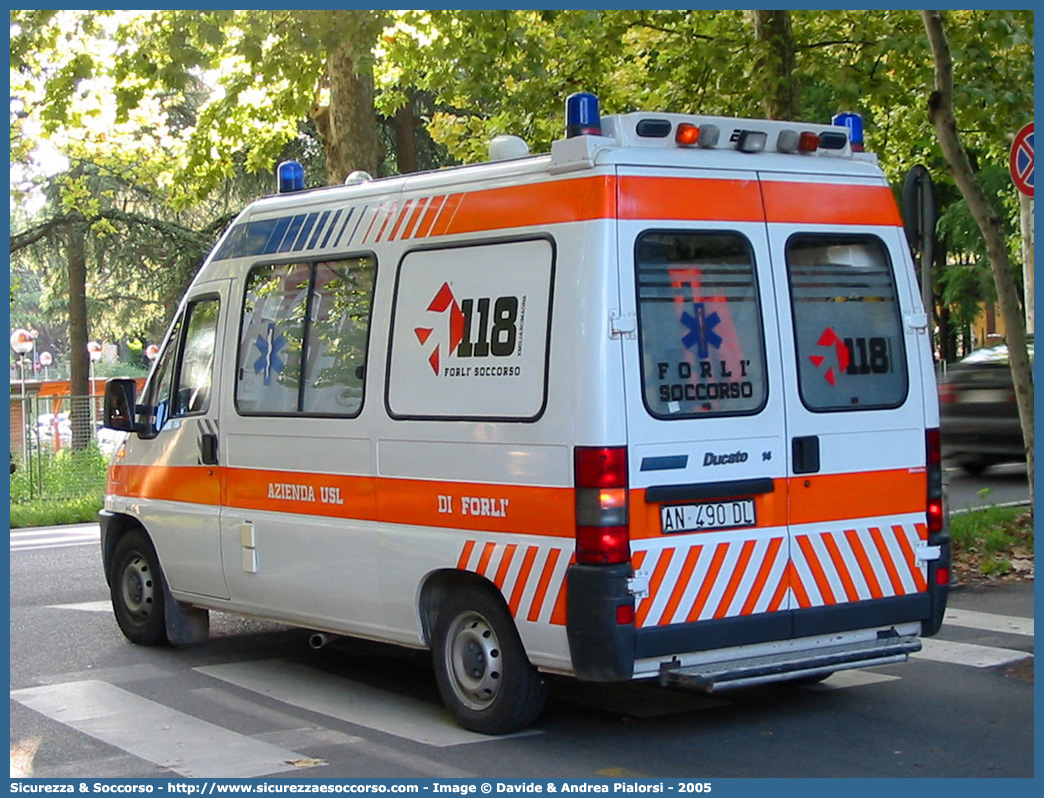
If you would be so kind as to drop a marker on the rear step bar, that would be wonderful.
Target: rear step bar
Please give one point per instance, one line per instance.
(713, 676)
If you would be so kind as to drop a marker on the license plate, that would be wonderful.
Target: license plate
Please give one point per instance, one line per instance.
(730, 514)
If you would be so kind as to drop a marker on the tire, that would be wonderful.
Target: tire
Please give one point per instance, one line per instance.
(481, 668)
(136, 588)
(973, 468)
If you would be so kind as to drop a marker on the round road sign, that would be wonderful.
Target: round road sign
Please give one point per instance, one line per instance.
(1022, 160)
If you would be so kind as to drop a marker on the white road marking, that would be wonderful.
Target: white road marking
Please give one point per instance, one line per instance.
(968, 653)
(86, 606)
(55, 537)
(351, 702)
(851, 678)
(170, 739)
(989, 622)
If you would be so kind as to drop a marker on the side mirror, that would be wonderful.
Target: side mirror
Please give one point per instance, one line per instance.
(118, 411)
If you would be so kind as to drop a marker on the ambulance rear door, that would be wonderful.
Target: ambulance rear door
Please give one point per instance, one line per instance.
(852, 389)
(706, 412)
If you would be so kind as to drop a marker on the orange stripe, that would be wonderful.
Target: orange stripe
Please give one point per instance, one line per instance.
(431, 213)
(404, 214)
(911, 558)
(817, 569)
(483, 563)
(842, 569)
(708, 582)
(799, 589)
(558, 614)
(829, 203)
(922, 531)
(465, 555)
(817, 499)
(696, 198)
(882, 549)
(763, 573)
(373, 219)
(389, 214)
(505, 563)
(683, 582)
(447, 214)
(545, 579)
(523, 580)
(864, 563)
(193, 484)
(418, 209)
(737, 576)
(781, 589)
(552, 202)
(654, 586)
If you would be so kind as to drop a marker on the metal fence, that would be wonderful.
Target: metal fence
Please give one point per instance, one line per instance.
(58, 448)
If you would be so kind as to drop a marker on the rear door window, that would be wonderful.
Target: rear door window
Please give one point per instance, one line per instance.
(700, 324)
(847, 323)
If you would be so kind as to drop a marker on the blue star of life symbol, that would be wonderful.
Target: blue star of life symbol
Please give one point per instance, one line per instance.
(269, 346)
(701, 330)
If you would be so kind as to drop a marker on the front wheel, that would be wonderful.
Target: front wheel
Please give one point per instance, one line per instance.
(483, 673)
(136, 588)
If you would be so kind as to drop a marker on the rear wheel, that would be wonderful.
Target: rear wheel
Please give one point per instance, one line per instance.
(136, 588)
(483, 673)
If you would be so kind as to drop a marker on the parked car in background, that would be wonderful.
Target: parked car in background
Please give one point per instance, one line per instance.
(980, 417)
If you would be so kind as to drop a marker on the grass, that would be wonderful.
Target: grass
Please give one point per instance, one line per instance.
(56, 512)
(991, 543)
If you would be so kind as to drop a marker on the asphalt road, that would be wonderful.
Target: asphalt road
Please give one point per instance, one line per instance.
(257, 701)
(1000, 484)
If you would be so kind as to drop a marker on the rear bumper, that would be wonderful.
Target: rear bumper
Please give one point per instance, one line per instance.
(885, 649)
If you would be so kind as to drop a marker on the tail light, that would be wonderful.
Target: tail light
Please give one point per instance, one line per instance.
(935, 480)
(947, 393)
(602, 516)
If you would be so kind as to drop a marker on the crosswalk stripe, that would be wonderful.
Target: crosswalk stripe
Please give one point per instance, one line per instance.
(86, 606)
(170, 739)
(988, 621)
(351, 702)
(970, 654)
(851, 678)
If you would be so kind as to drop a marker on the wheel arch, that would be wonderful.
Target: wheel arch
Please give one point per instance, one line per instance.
(113, 527)
(437, 585)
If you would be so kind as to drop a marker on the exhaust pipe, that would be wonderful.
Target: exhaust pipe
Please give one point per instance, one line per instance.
(320, 639)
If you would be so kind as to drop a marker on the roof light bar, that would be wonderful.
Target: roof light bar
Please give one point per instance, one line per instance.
(854, 123)
(751, 141)
(289, 177)
(686, 135)
(581, 112)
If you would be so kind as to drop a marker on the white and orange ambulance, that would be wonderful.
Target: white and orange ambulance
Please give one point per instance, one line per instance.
(657, 405)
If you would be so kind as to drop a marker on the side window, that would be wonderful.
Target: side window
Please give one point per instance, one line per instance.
(196, 373)
(161, 381)
(847, 324)
(700, 329)
(303, 338)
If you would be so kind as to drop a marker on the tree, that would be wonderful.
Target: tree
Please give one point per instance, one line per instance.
(941, 114)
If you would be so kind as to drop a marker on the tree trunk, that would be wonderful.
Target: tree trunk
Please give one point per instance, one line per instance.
(940, 112)
(776, 63)
(79, 363)
(406, 139)
(350, 130)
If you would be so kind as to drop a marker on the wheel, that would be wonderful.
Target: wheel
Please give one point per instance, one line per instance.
(973, 468)
(136, 587)
(483, 673)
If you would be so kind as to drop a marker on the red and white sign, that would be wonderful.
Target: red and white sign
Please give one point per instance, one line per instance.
(1022, 160)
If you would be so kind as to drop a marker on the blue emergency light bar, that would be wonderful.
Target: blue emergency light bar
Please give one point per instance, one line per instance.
(854, 123)
(289, 177)
(582, 117)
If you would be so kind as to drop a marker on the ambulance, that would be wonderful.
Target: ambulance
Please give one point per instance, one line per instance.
(657, 405)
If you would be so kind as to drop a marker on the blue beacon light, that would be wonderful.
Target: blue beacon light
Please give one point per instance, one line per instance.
(854, 123)
(582, 117)
(290, 177)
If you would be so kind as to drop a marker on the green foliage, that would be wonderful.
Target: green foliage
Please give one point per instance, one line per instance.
(989, 538)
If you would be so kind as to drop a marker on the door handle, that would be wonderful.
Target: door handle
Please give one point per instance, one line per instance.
(208, 444)
(805, 454)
